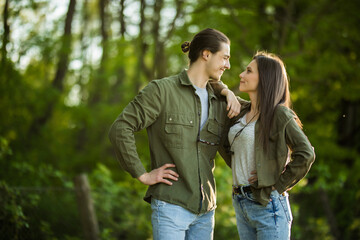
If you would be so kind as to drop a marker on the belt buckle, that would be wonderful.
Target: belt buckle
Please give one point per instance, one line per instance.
(239, 189)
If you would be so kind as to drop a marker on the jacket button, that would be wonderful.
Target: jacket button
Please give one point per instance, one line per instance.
(190, 122)
(170, 119)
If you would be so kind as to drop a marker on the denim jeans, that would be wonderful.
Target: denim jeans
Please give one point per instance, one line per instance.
(172, 222)
(255, 221)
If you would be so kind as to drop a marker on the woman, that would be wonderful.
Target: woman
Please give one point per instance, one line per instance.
(269, 151)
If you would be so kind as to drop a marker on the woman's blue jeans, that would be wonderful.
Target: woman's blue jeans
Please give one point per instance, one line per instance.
(254, 221)
(172, 222)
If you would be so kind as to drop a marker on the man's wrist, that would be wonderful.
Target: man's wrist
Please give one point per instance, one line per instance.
(142, 178)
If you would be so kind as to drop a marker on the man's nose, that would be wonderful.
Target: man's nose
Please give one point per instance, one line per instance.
(227, 65)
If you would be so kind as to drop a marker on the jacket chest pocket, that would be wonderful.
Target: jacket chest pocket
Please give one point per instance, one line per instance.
(210, 138)
(214, 130)
(177, 127)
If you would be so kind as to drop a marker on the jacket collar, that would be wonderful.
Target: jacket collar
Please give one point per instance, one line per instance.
(184, 80)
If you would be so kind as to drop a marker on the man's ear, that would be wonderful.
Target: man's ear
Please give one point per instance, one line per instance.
(206, 54)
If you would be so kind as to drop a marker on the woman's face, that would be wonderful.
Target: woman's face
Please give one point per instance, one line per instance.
(249, 79)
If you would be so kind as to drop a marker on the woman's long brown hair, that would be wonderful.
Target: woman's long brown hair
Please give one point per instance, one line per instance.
(273, 90)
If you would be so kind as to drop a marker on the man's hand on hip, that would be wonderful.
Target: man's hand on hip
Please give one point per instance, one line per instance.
(159, 175)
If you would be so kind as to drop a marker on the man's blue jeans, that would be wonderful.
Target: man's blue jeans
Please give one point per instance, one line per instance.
(255, 221)
(172, 222)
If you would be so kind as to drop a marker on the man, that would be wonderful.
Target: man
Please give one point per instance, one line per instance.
(185, 122)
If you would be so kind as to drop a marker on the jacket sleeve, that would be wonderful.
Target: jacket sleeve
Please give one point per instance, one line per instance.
(302, 157)
(140, 113)
(224, 149)
(218, 86)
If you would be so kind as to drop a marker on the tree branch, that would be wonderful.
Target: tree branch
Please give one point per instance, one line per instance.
(179, 13)
(237, 21)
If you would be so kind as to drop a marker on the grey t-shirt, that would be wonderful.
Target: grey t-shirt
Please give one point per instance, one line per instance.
(204, 99)
(243, 159)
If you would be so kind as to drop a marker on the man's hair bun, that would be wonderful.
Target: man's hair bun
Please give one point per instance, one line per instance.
(185, 47)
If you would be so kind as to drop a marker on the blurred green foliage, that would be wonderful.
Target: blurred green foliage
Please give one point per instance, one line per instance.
(54, 128)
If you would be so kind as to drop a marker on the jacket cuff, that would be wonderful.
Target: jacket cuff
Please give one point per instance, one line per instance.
(137, 172)
(280, 188)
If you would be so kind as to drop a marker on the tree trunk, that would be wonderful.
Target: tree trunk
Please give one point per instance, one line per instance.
(99, 84)
(86, 208)
(285, 19)
(160, 61)
(65, 50)
(142, 49)
(6, 34)
(158, 45)
(329, 213)
(115, 96)
(84, 47)
(122, 19)
(62, 66)
(104, 34)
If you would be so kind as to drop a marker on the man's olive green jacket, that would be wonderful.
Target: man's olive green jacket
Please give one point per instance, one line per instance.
(170, 111)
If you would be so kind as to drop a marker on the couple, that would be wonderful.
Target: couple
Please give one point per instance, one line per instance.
(188, 122)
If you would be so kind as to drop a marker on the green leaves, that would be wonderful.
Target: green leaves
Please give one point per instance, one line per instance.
(319, 42)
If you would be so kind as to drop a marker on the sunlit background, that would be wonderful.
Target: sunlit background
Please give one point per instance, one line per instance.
(69, 67)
